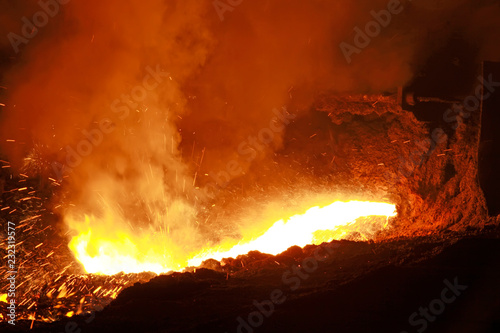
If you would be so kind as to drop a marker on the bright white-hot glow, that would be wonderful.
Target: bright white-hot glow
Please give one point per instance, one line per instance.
(333, 220)
(110, 252)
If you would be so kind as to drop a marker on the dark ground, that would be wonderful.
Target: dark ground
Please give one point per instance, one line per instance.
(360, 287)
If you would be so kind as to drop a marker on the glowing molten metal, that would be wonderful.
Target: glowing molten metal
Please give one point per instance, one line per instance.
(126, 253)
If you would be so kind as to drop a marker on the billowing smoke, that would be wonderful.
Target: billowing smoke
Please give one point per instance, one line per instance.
(133, 104)
(100, 96)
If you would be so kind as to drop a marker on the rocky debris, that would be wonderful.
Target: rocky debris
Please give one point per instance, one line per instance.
(359, 287)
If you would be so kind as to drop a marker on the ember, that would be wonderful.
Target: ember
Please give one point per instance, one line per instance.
(130, 254)
(200, 154)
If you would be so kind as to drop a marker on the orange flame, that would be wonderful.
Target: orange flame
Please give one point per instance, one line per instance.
(315, 226)
(132, 254)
